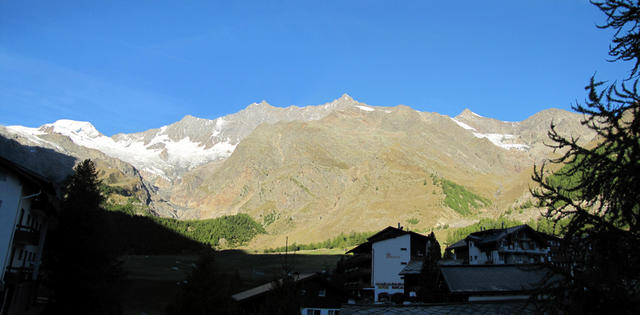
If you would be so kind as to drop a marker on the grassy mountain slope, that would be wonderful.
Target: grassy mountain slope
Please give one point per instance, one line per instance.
(354, 170)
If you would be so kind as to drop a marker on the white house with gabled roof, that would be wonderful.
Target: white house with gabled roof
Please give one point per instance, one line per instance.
(391, 250)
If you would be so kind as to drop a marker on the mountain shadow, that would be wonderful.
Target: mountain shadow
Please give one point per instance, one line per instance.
(49, 163)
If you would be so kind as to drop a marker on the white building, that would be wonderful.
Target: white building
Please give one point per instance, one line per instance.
(515, 245)
(24, 216)
(391, 250)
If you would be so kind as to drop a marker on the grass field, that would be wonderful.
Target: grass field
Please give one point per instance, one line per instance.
(153, 281)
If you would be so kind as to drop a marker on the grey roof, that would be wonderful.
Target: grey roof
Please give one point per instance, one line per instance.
(500, 234)
(458, 244)
(414, 267)
(492, 278)
(510, 307)
(494, 235)
(264, 288)
(386, 233)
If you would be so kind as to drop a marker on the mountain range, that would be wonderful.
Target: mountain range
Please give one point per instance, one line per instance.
(310, 172)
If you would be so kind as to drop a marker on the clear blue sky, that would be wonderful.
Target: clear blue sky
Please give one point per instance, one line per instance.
(129, 66)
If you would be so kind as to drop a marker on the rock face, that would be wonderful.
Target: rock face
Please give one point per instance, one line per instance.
(309, 172)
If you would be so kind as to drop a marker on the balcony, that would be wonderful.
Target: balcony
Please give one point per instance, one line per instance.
(519, 250)
(358, 285)
(15, 275)
(26, 235)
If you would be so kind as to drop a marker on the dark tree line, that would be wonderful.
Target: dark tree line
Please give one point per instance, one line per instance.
(600, 192)
(81, 255)
(80, 260)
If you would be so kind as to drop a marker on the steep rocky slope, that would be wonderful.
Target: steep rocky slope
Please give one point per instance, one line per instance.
(310, 172)
(359, 169)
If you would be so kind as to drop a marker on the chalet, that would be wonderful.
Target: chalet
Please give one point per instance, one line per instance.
(515, 245)
(373, 272)
(312, 294)
(25, 211)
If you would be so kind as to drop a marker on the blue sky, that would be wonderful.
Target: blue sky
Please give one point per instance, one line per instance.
(129, 66)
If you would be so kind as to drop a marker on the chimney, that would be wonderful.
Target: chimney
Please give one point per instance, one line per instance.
(399, 227)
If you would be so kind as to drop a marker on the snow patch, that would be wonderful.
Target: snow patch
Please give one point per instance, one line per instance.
(502, 140)
(463, 125)
(365, 108)
(26, 130)
(74, 128)
(184, 153)
(32, 134)
(218, 128)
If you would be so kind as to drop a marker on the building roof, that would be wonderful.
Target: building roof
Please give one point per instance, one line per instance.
(490, 236)
(506, 307)
(413, 267)
(493, 278)
(262, 289)
(32, 177)
(459, 244)
(362, 248)
(385, 234)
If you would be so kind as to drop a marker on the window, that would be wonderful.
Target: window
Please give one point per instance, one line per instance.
(403, 263)
(0, 203)
(313, 312)
(334, 312)
(322, 292)
(403, 249)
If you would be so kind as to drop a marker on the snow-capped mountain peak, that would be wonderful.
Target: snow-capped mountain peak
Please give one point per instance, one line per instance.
(72, 128)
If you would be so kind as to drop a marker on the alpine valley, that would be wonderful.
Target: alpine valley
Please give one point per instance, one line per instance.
(311, 172)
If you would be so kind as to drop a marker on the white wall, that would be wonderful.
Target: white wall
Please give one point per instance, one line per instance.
(10, 193)
(387, 259)
(475, 255)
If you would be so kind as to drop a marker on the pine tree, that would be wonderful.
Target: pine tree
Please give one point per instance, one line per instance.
(82, 267)
(430, 273)
(598, 188)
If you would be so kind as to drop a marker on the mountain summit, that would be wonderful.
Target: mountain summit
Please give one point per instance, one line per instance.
(312, 171)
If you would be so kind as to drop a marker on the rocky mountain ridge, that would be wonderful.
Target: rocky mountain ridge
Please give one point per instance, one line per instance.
(323, 166)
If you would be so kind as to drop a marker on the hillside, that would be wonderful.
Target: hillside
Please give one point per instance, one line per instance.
(310, 172)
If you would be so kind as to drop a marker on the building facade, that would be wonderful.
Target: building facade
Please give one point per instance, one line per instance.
(515, 245)
(25, 211)
(388, 252)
